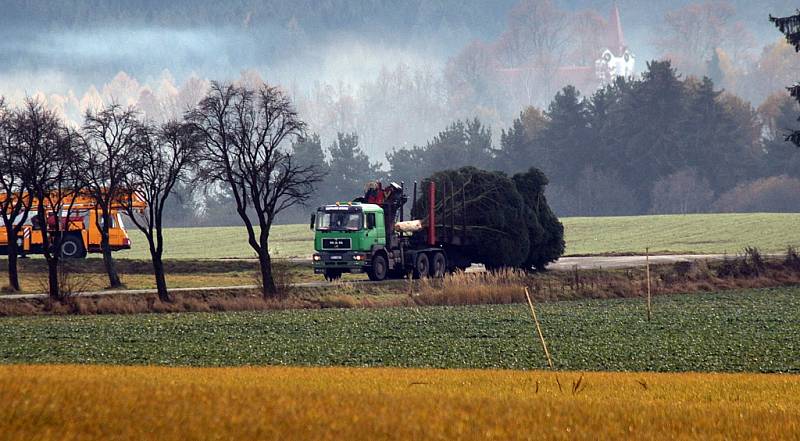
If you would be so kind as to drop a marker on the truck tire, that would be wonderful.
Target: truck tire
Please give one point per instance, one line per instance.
(422, 266)
(439, 266)
(72, 248)
(333, 275)
(379, 268)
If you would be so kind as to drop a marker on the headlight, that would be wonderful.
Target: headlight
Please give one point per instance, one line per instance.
(358, 257)
(317, 257)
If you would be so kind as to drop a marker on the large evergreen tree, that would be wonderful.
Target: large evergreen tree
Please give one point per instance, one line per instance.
(463, 143)
(349, 168)
(790, 27)
(648, 128)
(781, 157)
(520, 145)
(567, 140)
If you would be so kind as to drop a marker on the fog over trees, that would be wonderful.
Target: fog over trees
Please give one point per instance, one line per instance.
(400, 90)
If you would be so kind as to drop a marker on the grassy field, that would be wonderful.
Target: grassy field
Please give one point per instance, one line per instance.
(684, 234)
(132, 403)
(702, 234)
(757, 330)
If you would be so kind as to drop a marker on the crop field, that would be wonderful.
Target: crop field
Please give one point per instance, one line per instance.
(691, 234)
(735, 331)
(131, 403)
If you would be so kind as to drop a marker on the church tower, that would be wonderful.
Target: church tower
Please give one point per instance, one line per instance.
(616, 60)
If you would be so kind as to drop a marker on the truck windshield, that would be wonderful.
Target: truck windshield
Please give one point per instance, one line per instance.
(339, 220)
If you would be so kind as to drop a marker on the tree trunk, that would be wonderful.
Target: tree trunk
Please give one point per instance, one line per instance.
(13, 273)
(161, 280)
(108, 259)
(52, 276)
(268, 288)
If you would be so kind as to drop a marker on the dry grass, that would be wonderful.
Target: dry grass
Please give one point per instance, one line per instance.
(497, 288)
(133, 403)
(137, 274)
(746, 271)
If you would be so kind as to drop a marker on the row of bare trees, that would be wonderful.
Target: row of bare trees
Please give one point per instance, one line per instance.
(237, 136)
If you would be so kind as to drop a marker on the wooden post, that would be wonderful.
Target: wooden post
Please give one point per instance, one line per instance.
(538, 329)
(647, 272)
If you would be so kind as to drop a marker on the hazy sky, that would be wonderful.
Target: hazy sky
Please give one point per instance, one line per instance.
(53, 55)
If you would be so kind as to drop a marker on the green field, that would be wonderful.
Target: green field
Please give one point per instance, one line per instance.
(692, 234)
(756, 330)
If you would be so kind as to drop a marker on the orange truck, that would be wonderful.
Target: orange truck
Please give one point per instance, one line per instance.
(81, 233)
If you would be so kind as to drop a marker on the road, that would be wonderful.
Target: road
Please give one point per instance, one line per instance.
(613, 262)
(563, 264)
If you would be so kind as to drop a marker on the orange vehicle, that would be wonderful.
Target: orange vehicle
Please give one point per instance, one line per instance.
(81, 233)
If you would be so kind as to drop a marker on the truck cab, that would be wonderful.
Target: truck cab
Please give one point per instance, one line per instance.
(350, 238)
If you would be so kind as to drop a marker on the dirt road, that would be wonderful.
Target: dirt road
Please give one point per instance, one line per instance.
(563, 264)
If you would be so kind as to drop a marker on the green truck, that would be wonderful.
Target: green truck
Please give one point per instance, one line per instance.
(369, 235)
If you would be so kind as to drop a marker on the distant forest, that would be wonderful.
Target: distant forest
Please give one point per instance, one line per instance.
(656, 145)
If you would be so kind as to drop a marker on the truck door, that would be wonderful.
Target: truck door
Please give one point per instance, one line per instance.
(381, 226)
(376, 234)
(377, 229)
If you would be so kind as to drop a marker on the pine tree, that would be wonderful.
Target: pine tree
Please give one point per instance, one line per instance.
(567, 139)
(463, 143)
(349, 168)
(715, 68)
(308, 151)
(520, 145)
(790, 27)
(719, 135)
(646, 131)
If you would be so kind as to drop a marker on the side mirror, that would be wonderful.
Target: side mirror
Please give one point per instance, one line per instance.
(313, 221)
(370, 221)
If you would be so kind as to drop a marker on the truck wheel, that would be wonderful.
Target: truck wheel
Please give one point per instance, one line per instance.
(439, 267)
(332, 275)
(72, 248)
(421, 266)
(379, 268)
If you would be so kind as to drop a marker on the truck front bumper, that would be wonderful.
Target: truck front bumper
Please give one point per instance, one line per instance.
(345, 262)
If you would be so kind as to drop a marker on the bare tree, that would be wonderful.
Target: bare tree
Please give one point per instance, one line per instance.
(161, 159)
(110, 134)
(682, 192)
(537, 39)
(15, 197)
(245, 134)
(692, 34)
(53, 174)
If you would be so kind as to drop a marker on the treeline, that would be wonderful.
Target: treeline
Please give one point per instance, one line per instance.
(659, 144)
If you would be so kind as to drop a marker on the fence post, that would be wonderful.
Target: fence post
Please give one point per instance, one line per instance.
(539, 329)
(647, 271)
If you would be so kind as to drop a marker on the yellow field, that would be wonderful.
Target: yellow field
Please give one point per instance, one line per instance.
(100, 402)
